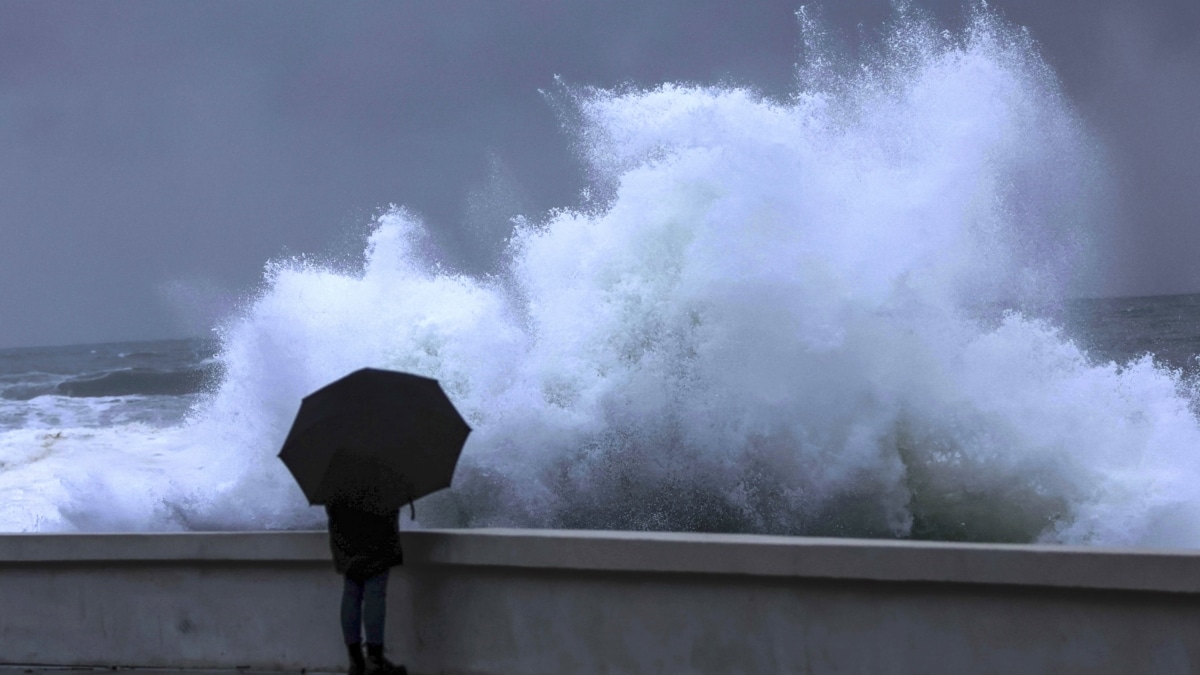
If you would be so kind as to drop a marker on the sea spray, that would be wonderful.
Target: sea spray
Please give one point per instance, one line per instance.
(770, 321)
(774, 316)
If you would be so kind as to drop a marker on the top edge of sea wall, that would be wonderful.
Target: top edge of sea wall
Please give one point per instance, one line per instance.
(667, 553)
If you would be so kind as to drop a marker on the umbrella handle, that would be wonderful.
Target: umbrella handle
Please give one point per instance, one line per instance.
(408, 488)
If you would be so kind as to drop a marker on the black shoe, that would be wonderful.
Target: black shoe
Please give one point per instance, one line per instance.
(377, 663)
(358, 666)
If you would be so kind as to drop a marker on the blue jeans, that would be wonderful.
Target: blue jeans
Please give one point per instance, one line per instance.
(364, 604)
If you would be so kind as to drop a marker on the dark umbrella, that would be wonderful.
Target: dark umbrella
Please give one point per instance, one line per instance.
(379, 438)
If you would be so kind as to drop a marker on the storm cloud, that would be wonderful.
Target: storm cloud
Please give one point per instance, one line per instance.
(153, 156)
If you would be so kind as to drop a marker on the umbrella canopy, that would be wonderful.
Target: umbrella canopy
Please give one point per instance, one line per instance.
(379, 438)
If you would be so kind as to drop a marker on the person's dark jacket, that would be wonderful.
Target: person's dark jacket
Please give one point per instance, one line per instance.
(363, 543)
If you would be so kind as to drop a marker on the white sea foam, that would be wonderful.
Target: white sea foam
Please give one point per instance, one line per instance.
(769, 323)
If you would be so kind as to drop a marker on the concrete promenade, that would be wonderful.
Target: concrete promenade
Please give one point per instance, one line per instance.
(135, 670)
(509, 602)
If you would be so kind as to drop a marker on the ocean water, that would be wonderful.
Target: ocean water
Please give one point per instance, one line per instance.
(95, 386)
(844, 313)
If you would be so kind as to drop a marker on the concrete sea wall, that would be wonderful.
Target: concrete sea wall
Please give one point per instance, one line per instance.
(517, 601)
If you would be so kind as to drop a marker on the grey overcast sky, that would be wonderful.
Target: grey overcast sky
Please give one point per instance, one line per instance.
(154, 154)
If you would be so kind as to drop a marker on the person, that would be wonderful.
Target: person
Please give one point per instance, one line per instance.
(365, 545)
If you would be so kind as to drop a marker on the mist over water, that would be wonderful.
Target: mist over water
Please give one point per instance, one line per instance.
(767, 316)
